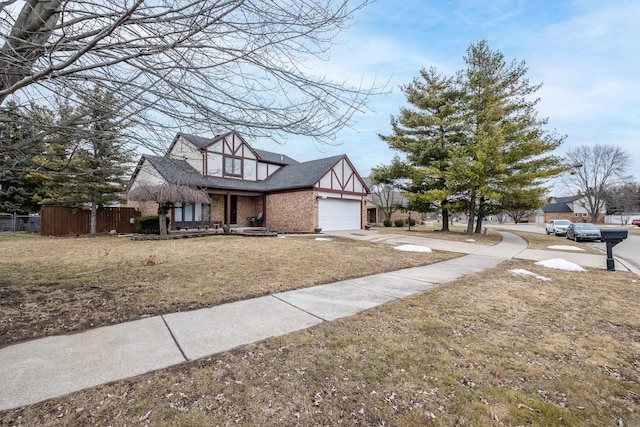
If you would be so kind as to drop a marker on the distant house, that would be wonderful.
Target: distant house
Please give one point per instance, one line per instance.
(251, 187)
(570, 207)
(379, 201)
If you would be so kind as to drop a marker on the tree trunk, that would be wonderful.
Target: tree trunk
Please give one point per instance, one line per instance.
(29, 34)
(94, 215)
(445, 220)
(472, 214)
(162, 219)
(480, 216)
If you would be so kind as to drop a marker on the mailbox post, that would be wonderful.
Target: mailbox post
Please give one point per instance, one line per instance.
(612, 236)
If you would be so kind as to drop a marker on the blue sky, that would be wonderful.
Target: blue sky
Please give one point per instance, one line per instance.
(585, 53)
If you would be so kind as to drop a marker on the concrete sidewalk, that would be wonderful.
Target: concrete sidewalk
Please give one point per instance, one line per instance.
(45, 368)
(509, 239)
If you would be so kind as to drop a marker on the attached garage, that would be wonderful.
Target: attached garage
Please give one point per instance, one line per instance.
(339, 214)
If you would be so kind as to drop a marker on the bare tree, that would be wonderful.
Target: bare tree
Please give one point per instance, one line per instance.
(209, 65)
(593, 169)
(624, 201)
(166, 195)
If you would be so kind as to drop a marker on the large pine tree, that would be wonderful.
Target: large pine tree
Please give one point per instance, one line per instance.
(427, 133)
(474, 139)
(16, 188)
(86, 164)
(509, 151)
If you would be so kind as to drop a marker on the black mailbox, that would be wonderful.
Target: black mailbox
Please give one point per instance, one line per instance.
(612, 236)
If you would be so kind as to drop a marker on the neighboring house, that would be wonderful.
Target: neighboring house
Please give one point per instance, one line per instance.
(250, 187)
(379, 200)
(571, 208)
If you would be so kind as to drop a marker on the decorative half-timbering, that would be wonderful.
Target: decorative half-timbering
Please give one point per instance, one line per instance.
(251, 187)
(342, 178)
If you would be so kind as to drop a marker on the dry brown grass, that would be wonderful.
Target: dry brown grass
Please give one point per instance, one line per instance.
(543, 241)
(634, 230)
(50, 286)
(455, 233)
(492, 349)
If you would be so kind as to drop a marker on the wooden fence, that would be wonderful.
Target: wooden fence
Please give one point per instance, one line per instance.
(63, 221)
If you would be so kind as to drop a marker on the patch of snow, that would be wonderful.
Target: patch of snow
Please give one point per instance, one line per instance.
(522, 272)
(323, 239)
(470, 240)
(560, 264)
(565, 248)
(282, 237)
(412, 248)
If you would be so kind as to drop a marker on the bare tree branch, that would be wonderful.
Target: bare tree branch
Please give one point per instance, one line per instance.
(200, 64)
(592, 170)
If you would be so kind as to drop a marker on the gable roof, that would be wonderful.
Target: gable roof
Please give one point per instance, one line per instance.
(197, 141)
(302, 175)
(561, 204)
(567, 199)
(202, 143)
(556, 208)
(274, 157)
(298, 175)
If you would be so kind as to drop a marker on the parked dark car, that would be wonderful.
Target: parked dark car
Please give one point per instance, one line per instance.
(636, 222)
(578, 232)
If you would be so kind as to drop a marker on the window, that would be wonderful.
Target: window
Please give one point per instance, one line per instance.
(233, 166)
(190, 212)
(178, 211)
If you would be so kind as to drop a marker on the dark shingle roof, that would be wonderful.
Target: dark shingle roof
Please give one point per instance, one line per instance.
(301, 174)
(274, 157)
(298, 175)
(567, 199)
(556, 208)
(198, 141)
(173, 170)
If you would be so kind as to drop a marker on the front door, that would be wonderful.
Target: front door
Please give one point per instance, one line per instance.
(233, 212)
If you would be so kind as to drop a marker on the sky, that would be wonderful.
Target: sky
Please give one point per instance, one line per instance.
(585, 53)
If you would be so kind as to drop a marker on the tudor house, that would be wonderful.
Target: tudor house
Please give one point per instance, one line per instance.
(250, 187)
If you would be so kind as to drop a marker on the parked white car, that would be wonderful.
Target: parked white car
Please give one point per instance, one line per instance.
(558, 227)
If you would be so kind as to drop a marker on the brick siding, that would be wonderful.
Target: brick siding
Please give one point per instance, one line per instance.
(146, 208)
(295, 212)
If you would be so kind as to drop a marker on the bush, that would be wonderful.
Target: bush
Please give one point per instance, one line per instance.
(149, 224)
(412, 222)
(398, 222)
(387, 223)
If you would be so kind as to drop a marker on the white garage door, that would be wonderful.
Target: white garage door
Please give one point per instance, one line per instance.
(336, 214)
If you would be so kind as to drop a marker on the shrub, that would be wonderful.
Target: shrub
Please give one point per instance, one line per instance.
(149, 224)
(412, 222)
(387, 223)
(398, 222)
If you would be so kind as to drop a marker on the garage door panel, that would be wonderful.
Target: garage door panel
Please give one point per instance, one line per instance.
(334, 214)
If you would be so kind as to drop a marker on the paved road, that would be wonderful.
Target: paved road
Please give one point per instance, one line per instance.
(628, 250)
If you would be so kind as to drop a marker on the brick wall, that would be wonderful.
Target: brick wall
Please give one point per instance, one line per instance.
(292, 212)
(248, 207)
(146, 208)
(217, 208)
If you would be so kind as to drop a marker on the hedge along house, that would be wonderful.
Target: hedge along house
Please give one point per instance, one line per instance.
(251, 187)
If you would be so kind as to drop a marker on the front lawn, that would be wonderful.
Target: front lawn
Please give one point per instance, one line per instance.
(50, 286)
(492, 349)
